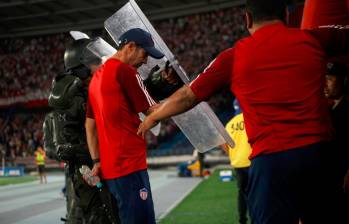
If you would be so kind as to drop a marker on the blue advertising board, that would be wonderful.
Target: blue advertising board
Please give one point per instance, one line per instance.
(12, 171)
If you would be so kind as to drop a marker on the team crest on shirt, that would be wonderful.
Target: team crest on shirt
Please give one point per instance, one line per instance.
(143, 193)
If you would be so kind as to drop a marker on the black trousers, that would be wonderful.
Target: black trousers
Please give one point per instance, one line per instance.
(86, 204)
(295, 184)
(242, 181)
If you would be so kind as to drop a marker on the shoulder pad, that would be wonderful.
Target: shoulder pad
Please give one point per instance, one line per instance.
(64, 88)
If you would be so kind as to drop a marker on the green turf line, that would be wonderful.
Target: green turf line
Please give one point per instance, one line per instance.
(211, 202)
(16, 180)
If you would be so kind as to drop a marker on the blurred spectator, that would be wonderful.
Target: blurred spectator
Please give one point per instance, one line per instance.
(21, 134)
(198, 38)
(195, 167)
(29, 64)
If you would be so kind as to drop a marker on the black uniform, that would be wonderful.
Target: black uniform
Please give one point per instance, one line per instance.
(65, 140)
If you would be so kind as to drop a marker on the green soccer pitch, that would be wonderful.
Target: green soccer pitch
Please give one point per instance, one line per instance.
(211, 202)
(16, 180)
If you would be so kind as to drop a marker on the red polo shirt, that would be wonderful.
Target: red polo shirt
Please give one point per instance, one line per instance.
(116, 96)
(277, 74)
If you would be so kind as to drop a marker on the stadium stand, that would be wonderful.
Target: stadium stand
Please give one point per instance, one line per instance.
(30, 63)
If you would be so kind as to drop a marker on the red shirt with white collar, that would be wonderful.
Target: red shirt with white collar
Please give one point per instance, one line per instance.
(116, 96)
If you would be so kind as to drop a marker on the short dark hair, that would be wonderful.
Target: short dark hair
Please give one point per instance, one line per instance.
(263, 10)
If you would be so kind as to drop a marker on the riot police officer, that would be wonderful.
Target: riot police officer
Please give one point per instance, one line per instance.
(65, 140)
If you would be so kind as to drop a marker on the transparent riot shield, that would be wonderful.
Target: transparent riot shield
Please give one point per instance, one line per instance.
(77, 35)
(200, 125)
(88, 55)
(101, 49)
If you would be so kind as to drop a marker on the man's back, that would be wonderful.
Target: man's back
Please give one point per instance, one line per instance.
(278, 77)
(108, 95)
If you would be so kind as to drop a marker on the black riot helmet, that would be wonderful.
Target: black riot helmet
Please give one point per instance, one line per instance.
(77, 55)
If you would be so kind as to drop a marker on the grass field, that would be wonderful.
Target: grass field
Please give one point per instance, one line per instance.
(16, 180)
(212, 202)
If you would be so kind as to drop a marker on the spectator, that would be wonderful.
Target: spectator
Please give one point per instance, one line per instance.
(29, 64)
(21, 134)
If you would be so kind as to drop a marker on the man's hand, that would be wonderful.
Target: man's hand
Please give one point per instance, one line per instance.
(146, 125)
(152, 109)
(170, 75)
(95, 169)
(181, 101)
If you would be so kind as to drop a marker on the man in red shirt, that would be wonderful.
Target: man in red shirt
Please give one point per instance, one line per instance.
(116, 96)
(277, 74)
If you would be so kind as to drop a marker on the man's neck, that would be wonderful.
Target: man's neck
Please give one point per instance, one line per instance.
(257, 25)
(119, 55)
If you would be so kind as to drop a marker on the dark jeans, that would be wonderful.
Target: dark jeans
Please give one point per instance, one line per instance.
(291, 185)
(133, 195)
(242, 181)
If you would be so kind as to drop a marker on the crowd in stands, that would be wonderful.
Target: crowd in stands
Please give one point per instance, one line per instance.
(20, 134)
(29, 64)
(198, 38)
